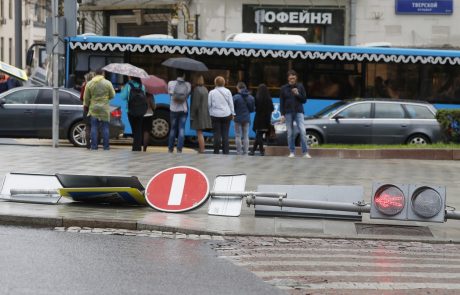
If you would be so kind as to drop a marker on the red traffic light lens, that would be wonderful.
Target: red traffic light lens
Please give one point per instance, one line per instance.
(389, 200)
(426, 202)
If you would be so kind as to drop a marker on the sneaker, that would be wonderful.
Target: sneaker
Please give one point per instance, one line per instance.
(291, 155)
(307, 156)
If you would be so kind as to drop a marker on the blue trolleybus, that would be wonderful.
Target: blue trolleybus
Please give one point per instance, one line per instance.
(329, 73)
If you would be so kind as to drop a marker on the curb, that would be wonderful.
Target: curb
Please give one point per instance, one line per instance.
(416, 154)
(53, 222)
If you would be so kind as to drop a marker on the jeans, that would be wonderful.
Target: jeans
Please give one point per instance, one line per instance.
(242, 129)
(221, 126)
(95, 125)
(298, 119)
(177, 120)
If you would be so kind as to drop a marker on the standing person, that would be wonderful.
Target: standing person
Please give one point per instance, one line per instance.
(262, 119)
(179, 90)
(244, 105)
(134, 94)
(220, 104)
(98, 93)
(292, 98)
(147, 121)
(86, 118)
(199, 112)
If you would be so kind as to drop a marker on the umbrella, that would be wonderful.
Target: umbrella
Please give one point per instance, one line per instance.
(185, 63)
(155, 85)
(126, 69)
(13, 71)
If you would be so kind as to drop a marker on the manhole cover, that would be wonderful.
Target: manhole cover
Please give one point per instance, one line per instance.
(387, 229)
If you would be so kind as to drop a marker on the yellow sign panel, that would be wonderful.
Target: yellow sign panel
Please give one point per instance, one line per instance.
(13, 71)
(110, 195)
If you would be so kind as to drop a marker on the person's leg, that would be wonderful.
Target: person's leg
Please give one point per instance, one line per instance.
(290, 132)
(225, 130)
(238, 128)
(87, 121)
(200, 137)
(172, 131)
(217, 133)
(260, 140)
(245, 130)
(146, 129)
(94, 132)
(136, 131)
(106, 135)
(182, 118)
(303, 137)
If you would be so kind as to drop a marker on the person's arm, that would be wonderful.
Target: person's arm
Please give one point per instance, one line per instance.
(302, 96)
(111, 91)
(282, 100)
(230, 102)
(87, 96)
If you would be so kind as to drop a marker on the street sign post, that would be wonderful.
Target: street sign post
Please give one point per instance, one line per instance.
(177, 189)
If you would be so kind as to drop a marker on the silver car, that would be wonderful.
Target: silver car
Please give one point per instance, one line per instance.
(27, 112)
(371, 122)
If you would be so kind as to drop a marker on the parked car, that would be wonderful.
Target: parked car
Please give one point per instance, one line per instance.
(370, 121)
(27, 112)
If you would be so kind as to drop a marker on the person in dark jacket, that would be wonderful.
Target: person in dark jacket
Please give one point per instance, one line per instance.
(262, 119)
(244, 106)
(292, 98)
(199, 113)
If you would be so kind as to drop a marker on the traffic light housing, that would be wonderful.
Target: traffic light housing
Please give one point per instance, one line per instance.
(408, 202)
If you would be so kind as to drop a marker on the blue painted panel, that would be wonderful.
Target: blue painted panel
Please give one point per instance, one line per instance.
(424, 7)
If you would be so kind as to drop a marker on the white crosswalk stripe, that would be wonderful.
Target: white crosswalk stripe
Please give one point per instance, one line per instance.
(320, 266)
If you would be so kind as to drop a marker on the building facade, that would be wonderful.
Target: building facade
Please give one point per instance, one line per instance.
(34, 15)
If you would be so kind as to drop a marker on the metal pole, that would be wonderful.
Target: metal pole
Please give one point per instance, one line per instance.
(55, 69)
(452, 214)
(365, 208)
(246, 194)
(18, 33)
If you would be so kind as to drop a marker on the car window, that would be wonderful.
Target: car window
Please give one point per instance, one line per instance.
(25, 96)
(46, 97)
(67, 98)
(360, 110)
(389, 111)
(419, 112)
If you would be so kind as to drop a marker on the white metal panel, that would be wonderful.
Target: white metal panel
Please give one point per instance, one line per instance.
(227, 205)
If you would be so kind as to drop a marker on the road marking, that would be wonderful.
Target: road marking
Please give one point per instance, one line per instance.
(298, 257)
(375, 286)
(177, 189)
(379, 264)
(295, 273)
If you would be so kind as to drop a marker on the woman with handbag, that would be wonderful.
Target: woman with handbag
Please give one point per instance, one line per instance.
(262, 119)
(220, 104)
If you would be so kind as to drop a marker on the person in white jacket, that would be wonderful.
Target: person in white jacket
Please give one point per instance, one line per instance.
(221, 110)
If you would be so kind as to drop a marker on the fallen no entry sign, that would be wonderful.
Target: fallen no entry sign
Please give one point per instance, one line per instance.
(177, 189)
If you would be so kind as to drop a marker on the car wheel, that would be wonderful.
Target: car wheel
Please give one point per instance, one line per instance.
(313, 138)
(77, 135)
(418, 139)
(160, 128)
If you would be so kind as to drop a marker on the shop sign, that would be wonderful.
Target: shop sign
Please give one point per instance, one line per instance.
(293, 17)
(424, 7)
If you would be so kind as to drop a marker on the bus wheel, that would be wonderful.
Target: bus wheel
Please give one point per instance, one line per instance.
(160, 128)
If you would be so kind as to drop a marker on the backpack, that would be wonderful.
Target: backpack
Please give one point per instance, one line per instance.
(180, 92)
(137, 101)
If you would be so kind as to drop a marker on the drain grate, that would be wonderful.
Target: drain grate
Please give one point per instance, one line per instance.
(388, 229)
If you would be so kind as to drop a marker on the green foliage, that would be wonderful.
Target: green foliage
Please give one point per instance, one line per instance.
(449, 119)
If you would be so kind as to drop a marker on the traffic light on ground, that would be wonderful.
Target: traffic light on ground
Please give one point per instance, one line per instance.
(408, 202)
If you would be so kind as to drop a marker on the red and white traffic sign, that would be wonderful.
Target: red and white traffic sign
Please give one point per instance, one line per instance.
(177, 189)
